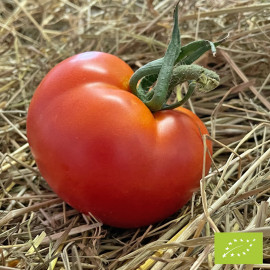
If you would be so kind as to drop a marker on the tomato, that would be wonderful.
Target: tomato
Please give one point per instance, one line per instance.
(104, 152)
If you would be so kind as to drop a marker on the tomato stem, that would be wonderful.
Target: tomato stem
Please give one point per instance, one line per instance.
(160, 90)
(191, 89)
(154, 82)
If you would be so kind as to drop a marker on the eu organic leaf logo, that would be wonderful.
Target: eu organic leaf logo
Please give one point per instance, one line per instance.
(238, 248)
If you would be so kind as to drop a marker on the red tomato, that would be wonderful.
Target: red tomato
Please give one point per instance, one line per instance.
(102, 150)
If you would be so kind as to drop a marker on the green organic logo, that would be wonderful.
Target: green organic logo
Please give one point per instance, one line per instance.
(238, 248)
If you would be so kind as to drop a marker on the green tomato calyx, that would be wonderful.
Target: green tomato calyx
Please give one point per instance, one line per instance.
(154, 82)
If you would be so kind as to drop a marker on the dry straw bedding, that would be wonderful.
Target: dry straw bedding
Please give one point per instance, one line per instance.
(38, 230)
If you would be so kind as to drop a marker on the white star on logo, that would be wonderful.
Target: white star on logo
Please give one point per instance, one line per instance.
(247, 240)
(235, 240)
(238, 255)
(250, 245)
(247, 249)
(241, 240)
(254, 239)
(226, 248)
(224, 255)
(244, 253)
(232, 254)
(230, 243)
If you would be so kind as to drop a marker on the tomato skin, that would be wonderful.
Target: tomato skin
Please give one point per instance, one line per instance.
(101, 149)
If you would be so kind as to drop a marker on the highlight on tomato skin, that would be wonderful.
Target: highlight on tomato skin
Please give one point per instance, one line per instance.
(103, 151)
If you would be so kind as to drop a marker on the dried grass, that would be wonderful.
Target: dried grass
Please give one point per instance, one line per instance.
(38, 230)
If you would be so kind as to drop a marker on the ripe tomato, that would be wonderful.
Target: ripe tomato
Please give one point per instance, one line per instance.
(103, 151)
